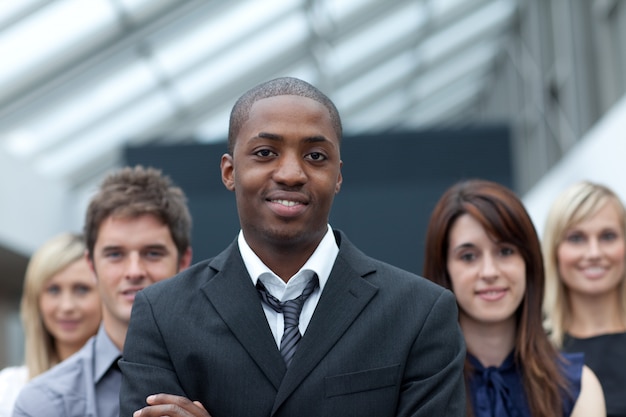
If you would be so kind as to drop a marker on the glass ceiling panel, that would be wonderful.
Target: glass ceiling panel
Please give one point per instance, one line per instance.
(141, 10)
(382, 113)
(397, 25)
(441, 107)
(478, 23)
(79, 111)
(192, 46)
(46, 37)
(235, 63)
(478, 57)
(339, 11)
(9, 10)
(441, 8)
(133, 96)
(107, 136)
(376, 79)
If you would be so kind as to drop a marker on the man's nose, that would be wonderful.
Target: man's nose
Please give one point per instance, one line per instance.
(135, 268)
(290, 170)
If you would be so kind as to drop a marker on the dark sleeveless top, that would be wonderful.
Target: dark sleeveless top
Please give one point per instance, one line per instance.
(606, 356)
(499, 391)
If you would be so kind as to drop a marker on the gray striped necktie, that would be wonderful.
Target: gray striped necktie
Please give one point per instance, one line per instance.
(291, 312)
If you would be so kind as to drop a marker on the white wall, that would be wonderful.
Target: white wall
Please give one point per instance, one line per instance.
(600, 157)
(32, 208)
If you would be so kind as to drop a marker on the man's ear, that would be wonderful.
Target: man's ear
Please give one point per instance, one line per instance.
(185, 260)
(228, 171)
(339, 179)
(92, 267)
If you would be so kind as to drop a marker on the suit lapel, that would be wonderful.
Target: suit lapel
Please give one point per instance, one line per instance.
(236, 300)
(345, 295)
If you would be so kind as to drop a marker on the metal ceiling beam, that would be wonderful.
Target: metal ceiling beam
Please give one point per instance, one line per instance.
(59, 76)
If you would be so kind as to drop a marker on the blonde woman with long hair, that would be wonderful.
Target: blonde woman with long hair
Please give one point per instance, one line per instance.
(60, 310)
(585, 304)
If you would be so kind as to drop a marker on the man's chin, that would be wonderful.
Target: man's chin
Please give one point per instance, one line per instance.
(289, 237)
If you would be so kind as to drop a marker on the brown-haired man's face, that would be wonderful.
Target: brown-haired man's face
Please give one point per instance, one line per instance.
(129, 255)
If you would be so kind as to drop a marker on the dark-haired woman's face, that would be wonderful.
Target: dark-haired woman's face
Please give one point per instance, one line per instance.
(488, 278)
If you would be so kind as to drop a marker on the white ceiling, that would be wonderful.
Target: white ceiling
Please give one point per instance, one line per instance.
(80, 79)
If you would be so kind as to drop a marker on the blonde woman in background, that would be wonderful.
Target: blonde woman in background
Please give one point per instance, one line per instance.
(60, 311)
(585, 304)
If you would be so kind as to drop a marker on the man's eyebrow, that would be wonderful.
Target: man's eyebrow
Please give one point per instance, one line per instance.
(267, 135)
(109, 248)
(159, 246)
(273, 136)
(314, 139)
(121, 247)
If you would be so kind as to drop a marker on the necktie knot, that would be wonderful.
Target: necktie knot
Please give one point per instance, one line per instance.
(291, 310)
(115, 365)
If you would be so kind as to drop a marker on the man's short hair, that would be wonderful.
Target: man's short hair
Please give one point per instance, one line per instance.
(133, 192)
(284, 86)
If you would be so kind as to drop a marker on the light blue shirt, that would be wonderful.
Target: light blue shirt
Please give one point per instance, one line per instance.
(83, 385)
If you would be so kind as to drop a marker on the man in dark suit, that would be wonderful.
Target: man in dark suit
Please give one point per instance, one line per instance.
(232, 336)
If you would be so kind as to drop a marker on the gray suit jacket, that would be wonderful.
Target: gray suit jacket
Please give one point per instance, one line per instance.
(381, 342)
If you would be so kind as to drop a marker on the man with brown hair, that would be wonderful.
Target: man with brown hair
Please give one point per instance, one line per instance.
(138, 232)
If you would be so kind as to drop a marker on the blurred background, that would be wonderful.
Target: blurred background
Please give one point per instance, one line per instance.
(526, 92)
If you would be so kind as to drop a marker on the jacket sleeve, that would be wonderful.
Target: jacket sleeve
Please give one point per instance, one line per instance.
(146, 366)
(433, 382)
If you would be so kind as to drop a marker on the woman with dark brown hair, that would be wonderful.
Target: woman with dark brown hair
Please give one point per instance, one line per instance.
(482, 245)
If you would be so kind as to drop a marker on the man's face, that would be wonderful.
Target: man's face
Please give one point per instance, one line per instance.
(129, 255)
(285, 171)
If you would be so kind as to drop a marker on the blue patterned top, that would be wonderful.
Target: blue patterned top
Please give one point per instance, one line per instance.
(499, 391)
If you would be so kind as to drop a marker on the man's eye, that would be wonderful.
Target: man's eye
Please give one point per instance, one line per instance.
(316, 156)
(155, 254)
(264, 153)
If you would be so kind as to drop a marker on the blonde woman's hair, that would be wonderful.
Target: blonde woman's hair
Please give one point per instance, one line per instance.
(52, 257)
(577, 203)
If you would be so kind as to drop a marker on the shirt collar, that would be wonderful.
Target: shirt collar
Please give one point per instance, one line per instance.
(506, 365)
(106, 353)
(321, 261)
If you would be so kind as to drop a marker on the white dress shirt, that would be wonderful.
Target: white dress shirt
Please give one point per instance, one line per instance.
(321, 262)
